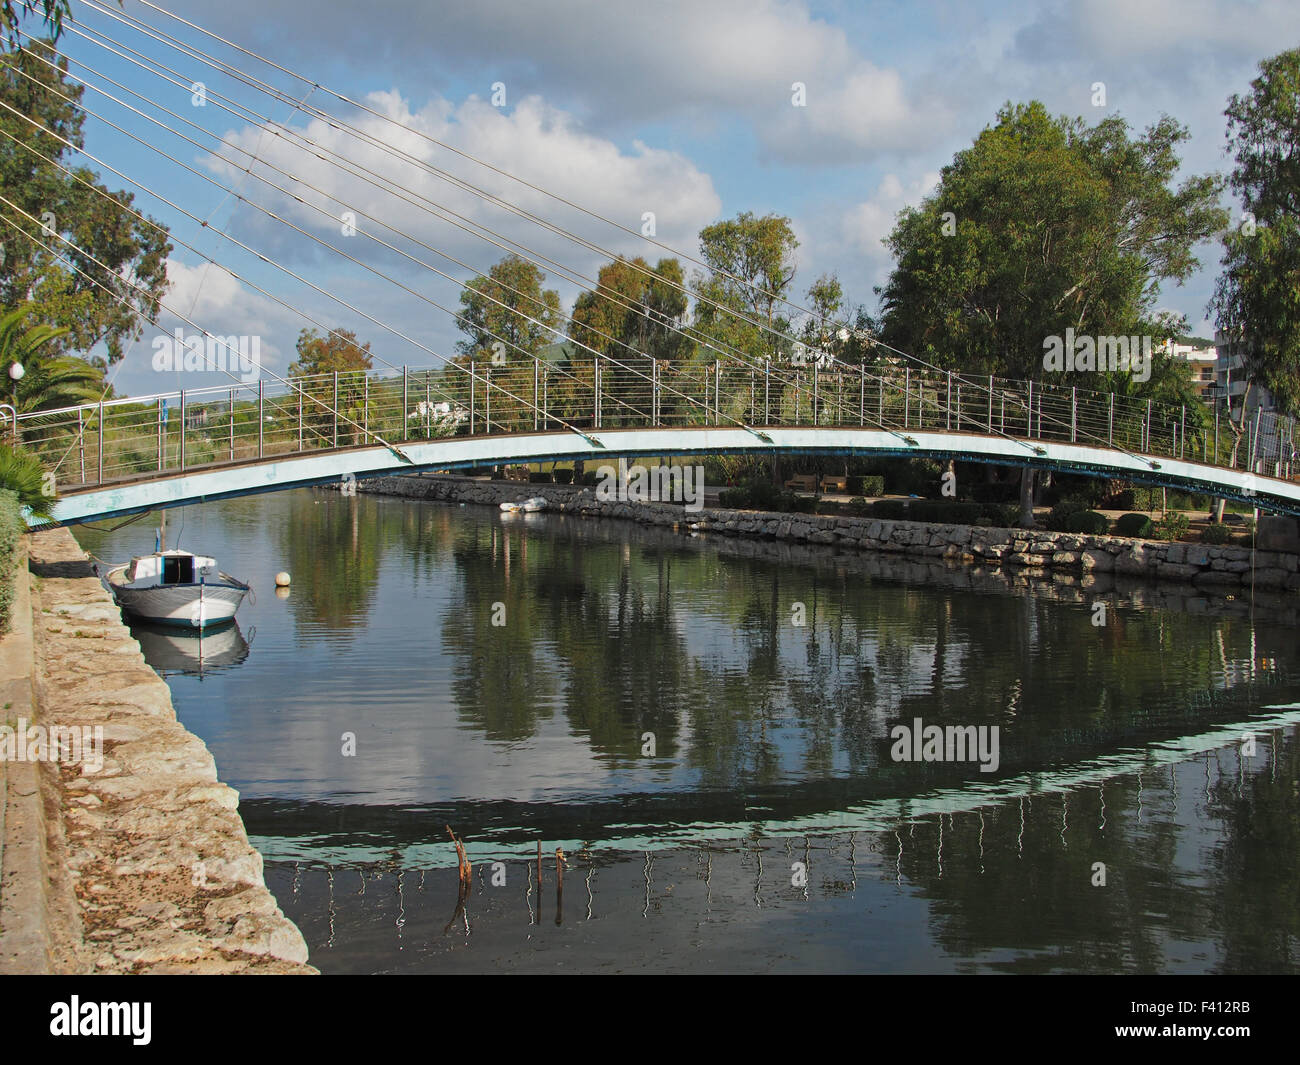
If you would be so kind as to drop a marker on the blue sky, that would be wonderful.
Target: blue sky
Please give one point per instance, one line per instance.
(682, 107)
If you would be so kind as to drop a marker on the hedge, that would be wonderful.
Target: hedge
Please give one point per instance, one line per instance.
(1138, 525)
(1088, 521)
(1216, 534)
(563, 476)
(11, 530)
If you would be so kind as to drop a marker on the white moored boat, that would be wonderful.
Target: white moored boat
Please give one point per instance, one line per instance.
(176, 588)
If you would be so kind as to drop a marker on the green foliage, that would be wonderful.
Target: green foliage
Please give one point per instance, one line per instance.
(1135, 525)
(509, 308)
(1173, 526)
(873, 485)
(1254, 301)
(1059, 515)
(11, 529)
(1216, 534)
(120, 259)
(751, 263)
(22, 474)
(49, 379)
(1088, 521)
(1041, 224)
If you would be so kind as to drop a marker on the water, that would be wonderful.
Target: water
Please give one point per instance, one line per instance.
(720, 778)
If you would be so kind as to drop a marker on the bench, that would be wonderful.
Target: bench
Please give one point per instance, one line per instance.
(835, 484)
(516, 473)
(802, 482)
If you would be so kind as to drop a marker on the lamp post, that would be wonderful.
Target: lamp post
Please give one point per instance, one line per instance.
(16, 372)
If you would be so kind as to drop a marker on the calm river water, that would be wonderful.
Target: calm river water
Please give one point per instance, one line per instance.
(704, 729)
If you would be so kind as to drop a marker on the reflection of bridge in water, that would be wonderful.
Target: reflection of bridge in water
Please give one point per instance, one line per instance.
(915, 845)
(669, 822)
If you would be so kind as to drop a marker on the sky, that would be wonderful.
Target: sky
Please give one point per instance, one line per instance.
(687, 110)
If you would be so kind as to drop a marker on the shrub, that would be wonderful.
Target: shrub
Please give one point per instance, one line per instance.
(1138, 525)
(563, 476)
(22, 473)
(995, 493)
(540, 477)
(858, 506)
(853, 484)
(889, 509)
(11, 528)
(590, 478)
(1121, 500)
(1059, 515)
(873, 485)
(828, 507)
(1088, 521)
(1216, 534)
(1172, 526)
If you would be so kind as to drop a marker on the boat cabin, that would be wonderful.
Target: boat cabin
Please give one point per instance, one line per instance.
(170, 567)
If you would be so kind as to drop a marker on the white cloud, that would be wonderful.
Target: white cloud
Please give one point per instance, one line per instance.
(533, 139)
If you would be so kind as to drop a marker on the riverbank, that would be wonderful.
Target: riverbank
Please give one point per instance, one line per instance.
(1093, 560)
(140, 864)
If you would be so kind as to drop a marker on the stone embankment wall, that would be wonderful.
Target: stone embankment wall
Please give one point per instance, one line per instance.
(149, 853)
(1214, 569)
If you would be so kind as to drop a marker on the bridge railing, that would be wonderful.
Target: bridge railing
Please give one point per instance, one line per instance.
(127, 438)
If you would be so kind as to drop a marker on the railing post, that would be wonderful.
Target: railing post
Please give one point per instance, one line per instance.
(405, 397)
(595, 399)
(261, 419)
(907, 393)
(1182, 431)
(947, 405)
(816, 387)
(162, 443)
(1029, 427)
(654, 392)
(232, 425)
(81, 441)
(536, 394)
(990, 404)
(1074, 414)
(767, 389)
(473, 395)
(336, 408)
(1216, 435)
(365, 407)
(862, 395)
(1110, 421)
(100, 479)
(487, 399)
(300, 425)
(182, 430)
(428, 411)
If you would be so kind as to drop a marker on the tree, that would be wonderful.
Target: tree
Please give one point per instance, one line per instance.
(49, 380)
(1255, 297)
(320, 358)
(22, 473)
(507, 316)
(337, 353)
(752, 263)
(1041, 225)
(635, 311)
(52, 13)
(95, 302)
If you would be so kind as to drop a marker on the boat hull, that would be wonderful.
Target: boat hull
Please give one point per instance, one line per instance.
(189, 606)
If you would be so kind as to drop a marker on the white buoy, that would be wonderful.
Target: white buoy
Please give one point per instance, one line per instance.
(282, 579)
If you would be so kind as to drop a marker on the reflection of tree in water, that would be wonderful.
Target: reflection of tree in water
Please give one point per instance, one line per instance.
(1257, 910)
(598, 624)
(333, 544)
(1018, 877)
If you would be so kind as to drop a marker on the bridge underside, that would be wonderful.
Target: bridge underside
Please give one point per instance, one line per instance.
(278, 473)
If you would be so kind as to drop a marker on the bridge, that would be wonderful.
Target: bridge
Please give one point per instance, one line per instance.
(129, 455)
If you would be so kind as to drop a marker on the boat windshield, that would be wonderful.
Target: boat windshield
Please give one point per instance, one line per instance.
(178, 569)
